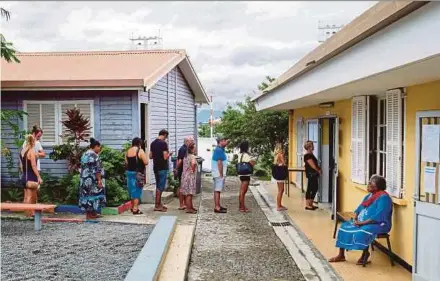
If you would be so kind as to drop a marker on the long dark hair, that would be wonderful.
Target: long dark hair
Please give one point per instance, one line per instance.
(136, 142)
(244, 147)
(94, 143)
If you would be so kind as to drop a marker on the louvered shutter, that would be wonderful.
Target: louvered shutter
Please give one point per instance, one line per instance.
(48, 124)
(394, 142)
(33, 115)
(86, 111)
(64, 107)
(358, 139)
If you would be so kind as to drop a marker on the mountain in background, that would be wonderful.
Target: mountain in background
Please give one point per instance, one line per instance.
(204, 114)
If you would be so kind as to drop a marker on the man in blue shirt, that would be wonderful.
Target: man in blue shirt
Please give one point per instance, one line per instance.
(219, 167)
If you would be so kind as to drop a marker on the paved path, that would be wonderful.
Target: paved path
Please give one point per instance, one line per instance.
(237, 246)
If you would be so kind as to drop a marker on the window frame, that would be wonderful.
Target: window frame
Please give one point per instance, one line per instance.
(58, 116)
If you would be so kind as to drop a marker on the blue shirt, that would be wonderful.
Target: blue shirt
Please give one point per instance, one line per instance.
(219, 154)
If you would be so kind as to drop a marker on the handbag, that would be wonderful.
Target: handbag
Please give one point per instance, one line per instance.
(140, 177)
(244, 168)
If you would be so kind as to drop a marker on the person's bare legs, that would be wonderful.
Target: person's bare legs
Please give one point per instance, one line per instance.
(280, 207)
(135, 204)
(158, 202)
(189, 204)
(217, 200)
(182, 200)
(241, 198)
(340, 257)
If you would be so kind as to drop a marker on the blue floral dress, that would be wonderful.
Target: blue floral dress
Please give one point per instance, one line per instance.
(352, 237)
(91, 197)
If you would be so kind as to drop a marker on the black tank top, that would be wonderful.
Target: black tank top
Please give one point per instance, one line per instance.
(135, 164)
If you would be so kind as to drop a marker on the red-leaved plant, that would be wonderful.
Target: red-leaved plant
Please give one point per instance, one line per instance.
(77, 132)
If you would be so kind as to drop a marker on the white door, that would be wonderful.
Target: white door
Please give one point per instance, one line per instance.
(335, 169)
(299, 148)
(426, 259)
(313, 135)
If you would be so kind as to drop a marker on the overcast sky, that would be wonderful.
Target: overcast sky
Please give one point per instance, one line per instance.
(232, 45)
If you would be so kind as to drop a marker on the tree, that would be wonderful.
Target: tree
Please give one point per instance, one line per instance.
(262, 129)
(204, 131)
(7, 49)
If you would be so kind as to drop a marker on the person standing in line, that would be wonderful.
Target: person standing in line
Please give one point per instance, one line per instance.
(92, 187)
(188, 185)
(219, 168)
(279, 173)
(244, 157)
(136, 160)
(37, 132)
(160, 154)
(313, 172)
(31, 174)
(179, 167)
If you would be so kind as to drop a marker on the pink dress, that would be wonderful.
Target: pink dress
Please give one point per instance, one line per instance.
(188, 186)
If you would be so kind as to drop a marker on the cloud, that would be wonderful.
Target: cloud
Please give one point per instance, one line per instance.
(233, 45)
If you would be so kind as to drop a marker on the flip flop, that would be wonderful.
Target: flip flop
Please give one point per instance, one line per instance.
(361, 262)
(191, 212)
(181, 208)
(221, 211)
(245, 210)
(137, 212)
(160, 209)
(309, 209)
(336, 259)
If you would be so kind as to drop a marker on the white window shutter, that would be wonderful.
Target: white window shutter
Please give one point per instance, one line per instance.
(64, 107)
(33, 115)
(48, 124)
(394, 142)
(358, 139)
(86, 111)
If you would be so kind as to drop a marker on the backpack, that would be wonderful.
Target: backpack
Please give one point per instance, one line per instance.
(244, 168)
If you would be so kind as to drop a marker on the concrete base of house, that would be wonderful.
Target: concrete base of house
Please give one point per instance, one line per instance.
(149, 195)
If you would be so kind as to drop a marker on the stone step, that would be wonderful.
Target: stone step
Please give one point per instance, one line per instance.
(149, 195)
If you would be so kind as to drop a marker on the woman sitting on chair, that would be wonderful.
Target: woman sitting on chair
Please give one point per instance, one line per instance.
(372, 217)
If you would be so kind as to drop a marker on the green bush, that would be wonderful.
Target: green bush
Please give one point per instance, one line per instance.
(116, 194)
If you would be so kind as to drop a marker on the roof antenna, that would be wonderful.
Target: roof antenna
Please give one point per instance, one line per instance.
(147, 43)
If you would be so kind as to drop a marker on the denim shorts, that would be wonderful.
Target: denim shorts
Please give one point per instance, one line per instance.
(161, 179)
(219, 184)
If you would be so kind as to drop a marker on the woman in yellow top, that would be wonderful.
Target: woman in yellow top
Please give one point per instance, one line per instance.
(279, 173)
(244, 157)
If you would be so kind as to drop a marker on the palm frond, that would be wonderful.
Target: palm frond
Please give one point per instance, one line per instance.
(5, 13)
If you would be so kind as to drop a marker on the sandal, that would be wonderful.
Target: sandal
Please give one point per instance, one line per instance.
(221, 211)
(337, 259)
(137, 212)
(361, 260)
(181, 208)
(282, 208)
(163, 209)
(244, 210)
(193, 211)
(310, 208)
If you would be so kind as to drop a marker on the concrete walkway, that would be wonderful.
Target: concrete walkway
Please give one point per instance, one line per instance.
(237, 246)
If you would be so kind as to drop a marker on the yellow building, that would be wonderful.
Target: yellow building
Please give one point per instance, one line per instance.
(364, 97)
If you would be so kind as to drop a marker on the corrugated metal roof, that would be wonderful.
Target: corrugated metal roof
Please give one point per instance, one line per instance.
(88, 66)
(140, 68)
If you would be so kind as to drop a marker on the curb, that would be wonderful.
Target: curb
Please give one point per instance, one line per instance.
(148, 263)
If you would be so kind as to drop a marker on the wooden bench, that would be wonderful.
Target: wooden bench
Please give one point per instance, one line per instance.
(347, 216)
(37, 208)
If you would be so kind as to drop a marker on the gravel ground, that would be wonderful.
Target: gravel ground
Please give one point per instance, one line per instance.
(237, 246)
(69, 251)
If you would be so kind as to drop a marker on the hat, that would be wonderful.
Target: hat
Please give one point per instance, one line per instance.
(219, 138)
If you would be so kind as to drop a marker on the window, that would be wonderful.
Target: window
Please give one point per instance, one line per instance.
(383, 119)
(49, 114)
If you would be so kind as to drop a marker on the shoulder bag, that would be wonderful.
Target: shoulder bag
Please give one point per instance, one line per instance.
(140, 177)
(244, 168)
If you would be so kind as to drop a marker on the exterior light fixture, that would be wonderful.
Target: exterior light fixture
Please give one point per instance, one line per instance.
(327, 104)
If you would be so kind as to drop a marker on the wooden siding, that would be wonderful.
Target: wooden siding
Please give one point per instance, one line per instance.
(172, 108)
(113, 123)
